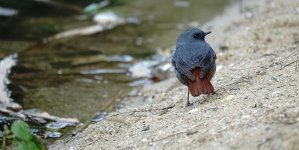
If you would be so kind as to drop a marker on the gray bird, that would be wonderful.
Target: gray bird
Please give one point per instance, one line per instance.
(194, 62)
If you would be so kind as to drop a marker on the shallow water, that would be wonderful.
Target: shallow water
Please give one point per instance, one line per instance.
(84, 75)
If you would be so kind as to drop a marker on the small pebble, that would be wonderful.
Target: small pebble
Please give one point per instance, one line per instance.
(144, 140)
(145, 128)
(223, 47)
(193, 111)
(275, 93)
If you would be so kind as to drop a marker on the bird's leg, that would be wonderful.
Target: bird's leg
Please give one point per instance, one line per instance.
(188, 102)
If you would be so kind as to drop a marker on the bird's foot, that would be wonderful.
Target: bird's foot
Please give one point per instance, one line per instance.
(188, 104)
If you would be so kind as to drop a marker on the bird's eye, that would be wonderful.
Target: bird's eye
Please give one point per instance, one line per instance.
(196, 35)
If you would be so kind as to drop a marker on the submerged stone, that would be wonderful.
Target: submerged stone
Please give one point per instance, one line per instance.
(57, 125)
(99, 117)
(53, 134)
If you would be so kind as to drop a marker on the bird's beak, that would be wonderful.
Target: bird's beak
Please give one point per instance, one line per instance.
(206, 33)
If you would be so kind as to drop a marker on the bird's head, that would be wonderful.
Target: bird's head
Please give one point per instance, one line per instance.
(192, 34)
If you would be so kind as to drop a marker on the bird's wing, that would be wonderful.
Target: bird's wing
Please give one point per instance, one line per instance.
(183, 65)
(205, 59)
(182, 78)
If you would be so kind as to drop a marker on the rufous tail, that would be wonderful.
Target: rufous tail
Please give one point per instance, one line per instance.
(200, 86)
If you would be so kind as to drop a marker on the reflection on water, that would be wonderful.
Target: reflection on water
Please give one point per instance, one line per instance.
(83, 75)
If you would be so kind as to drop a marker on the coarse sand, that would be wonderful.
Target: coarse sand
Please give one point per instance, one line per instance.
(256, 105)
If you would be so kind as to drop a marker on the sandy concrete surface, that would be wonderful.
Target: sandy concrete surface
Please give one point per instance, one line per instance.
(256, 105)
